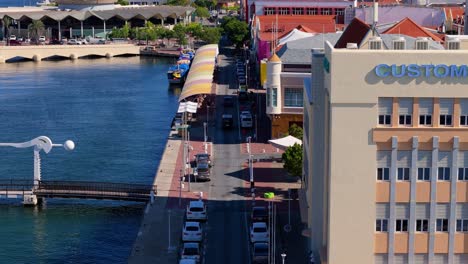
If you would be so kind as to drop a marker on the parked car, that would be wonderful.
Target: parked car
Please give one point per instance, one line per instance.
(260, 252)
(192, 231)
(259, 232)
(12, 37)
(187, 261)
(243, 96)
(196, 210)
(73, 42)
(259, 214)
(202, 157)
(246, 122)
(246, 113)
(42, 39)
(20, 39)
(192, 251)
(203, 171)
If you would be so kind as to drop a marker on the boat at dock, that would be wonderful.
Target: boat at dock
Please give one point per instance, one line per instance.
(178, 73)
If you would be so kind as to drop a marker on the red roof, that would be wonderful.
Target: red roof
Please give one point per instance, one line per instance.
(354, 33)
(454, 12)
(286, 23)
(410, 28)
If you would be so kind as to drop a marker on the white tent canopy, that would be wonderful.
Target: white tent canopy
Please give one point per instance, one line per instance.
(285, 142)
(190, 107)
(295, 34)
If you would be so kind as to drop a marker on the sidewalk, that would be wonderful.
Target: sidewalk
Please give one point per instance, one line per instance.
(165, 216)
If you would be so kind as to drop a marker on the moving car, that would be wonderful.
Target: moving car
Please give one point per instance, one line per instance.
(259, 232)
(203, 170)
(196, 210)
(246, 121)
(260, 252)
(259, 214)
(192, 231)
(202, 157)
(191, 250)
(228, 121)
(246, 113)
(12, 37)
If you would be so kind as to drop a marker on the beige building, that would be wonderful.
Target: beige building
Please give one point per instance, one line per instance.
(386, 153)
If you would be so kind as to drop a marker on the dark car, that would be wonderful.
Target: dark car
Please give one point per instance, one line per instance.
(228, 101)
(259, 214)
(260, 252)
(228, 121)
(243, 96)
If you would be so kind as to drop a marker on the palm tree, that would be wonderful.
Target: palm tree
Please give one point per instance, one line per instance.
(35, 29)
(6, 24)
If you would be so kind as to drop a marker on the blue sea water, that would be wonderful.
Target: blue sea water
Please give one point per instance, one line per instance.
(118, 113)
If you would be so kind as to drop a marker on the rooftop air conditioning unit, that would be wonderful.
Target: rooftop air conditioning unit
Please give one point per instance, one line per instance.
(422, 43)
(399, 43)
(375, 43)
(351, 46)
(453, 44)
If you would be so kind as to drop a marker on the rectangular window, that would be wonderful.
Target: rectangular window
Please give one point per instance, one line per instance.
(443, 174)
(464, 120)
(446, 111)
(422, 225)
(274, 97)
(424, 174)
(425, 120)
(445, 120)
(462, 225)
(283, 11)
(268, 101)
(326, 11)
(405, 120)
(298, 11)
(311, 11)
(403, 174)
(293, 97)
(383, 174)
(405, 111)
(385, 120)
(270, 10)
(385, 105)
(463, 174)
(401, 225)
(441, 225)
(339, 12)
(381, 225)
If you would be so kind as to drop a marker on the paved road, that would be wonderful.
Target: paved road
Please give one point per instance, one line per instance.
(227, 230)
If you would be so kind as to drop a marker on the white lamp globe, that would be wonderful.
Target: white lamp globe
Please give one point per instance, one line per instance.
(69, 145)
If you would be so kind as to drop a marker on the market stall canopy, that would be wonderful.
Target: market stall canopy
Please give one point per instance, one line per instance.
(203, 64)
(285, 142)
(295, 34)
(189, 107)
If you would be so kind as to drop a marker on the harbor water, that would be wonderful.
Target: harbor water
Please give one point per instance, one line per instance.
(118, 113)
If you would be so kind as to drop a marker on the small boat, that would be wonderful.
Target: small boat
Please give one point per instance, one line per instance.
(178, 73)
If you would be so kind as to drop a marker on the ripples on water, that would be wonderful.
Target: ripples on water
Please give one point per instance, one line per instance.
(118, 113)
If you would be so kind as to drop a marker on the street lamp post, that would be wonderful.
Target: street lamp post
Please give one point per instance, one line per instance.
(40, 143)
(283, 256)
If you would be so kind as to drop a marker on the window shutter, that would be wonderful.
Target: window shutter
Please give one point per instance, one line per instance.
(445, 159)
(385, 106)
(463, 106)
(400, 259)
(424, 159)
(383, 158)
(440, 259)
(442, 210)
(381, 259)
(463, 159)
(460, 259)
(461, 211)
(404, 159)
(422, 210)
(382, 210)
(405, 106)
(446, 106)
(421, 259)
(402, 211)
(426, 106)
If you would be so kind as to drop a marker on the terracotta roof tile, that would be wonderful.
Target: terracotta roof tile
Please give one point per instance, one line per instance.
(354, 33)
(286, 23)
(410, 28)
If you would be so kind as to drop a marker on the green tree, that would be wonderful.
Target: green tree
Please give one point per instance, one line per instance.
(292, 159)
(237, 31)
(296, 131)
(123, 32)
(6, 23)
(35, 29)
(211, 35)
(206, 3)
(202, 12)
(178, 2)
(122, 2)
(195, 30)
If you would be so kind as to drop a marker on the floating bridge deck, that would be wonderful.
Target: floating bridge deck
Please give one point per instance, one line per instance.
(77, 190)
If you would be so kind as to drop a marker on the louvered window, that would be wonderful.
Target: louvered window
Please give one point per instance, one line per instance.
(426, 107)
(446, 112)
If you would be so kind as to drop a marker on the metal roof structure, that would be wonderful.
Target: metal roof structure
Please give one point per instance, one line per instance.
(124, 13)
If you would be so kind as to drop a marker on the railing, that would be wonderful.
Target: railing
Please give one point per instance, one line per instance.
(81, 189)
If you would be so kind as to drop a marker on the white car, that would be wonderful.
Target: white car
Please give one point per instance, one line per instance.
(12, 37)
(73, 42)
(246, 113)
(191, 251)
(259, 232)
(192, 231)
(196, 210)
(42, 39)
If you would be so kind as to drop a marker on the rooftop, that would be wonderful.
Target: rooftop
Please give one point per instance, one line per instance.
(408, 27)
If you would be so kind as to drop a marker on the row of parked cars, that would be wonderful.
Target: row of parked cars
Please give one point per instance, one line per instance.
(241, 74)
(17, 40)
(192, 232)
(259, 234)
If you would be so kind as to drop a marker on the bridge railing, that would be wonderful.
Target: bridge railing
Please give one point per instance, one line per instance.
(16, 185)
(96, 187)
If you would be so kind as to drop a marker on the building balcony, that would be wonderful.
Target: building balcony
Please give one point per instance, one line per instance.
(424, 134)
